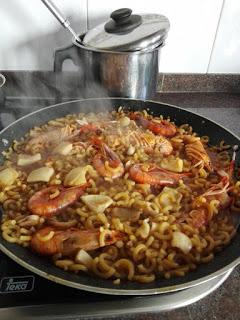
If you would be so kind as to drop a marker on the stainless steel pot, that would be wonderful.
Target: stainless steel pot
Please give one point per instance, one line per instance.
(120, 55)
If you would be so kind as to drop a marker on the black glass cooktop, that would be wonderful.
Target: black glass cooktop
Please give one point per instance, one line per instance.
(20, 287)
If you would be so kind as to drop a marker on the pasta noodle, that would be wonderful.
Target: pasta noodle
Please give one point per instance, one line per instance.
(158, 206)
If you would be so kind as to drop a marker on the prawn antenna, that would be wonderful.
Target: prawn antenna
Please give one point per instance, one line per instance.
(235, 149)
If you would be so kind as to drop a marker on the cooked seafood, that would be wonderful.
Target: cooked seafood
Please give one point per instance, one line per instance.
(53, 135)
(51, 200)
(154, 175)
(196, 152)
(150, 142)
(107, 162)
(122, 195)
(162, 127)
(50, 241)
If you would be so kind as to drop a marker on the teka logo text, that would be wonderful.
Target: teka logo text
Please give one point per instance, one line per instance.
(16, 284)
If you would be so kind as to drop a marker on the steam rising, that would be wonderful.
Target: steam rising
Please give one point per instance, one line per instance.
(40, 89)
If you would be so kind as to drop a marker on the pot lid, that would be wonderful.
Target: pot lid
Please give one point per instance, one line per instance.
(128, 32)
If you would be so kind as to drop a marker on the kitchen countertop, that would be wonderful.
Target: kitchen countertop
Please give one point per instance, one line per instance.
(223, 108)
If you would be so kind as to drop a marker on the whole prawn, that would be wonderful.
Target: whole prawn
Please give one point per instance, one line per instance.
(90, 128)
(164, 127)
(219, 192)
(154, 175)
(49, 201)
(149, 142)
(50, 241)
(61, 134)
(106, 161)
(54, 135)
(197, 153)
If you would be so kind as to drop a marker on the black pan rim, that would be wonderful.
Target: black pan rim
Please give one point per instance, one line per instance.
(117, 291)
(117, 98)
(110, 291)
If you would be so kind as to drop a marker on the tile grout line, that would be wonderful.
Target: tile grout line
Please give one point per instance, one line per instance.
(161, 87)
(87, 16)
(215, 37)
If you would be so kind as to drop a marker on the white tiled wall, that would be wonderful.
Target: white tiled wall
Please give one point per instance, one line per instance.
(29, 33)
(192, 31)
(226, 51)
(204, 34)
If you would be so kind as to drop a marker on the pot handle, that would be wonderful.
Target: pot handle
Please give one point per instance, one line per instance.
(62, 54)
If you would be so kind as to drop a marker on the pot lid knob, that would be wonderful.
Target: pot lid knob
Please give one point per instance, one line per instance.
(123, 21)
(127, 32)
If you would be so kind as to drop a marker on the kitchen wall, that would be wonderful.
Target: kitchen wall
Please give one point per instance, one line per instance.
(203, 38)
(29, 33)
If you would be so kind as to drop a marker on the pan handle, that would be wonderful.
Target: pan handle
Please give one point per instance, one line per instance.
(62, 54)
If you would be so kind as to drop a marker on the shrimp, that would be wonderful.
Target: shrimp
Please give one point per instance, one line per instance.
(49, 201)
(107, 162)
(199, 217)
(55, 135)
(196, 152)
(149, 142)
(154, 175)
(217, 192)
(164, 127)
(163, 145)
(90, 128)
(50, 241)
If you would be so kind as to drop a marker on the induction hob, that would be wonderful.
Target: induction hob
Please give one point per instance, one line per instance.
(24, 295)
